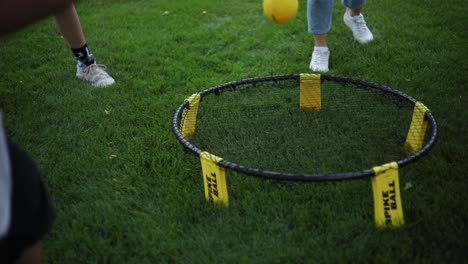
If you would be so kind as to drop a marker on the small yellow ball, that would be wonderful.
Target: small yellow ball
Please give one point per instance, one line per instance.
(280, 11)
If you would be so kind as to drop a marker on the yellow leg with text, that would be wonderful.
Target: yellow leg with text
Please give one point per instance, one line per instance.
(214, 178)
(388, 210)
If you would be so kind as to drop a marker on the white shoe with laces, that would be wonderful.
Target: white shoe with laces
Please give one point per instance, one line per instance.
(319, 61)
(95, 74)
(357, 24)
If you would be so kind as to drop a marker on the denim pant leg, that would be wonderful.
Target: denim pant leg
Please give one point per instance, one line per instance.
(5, 187)
(319, 13)
(319, 16)
(354, 4)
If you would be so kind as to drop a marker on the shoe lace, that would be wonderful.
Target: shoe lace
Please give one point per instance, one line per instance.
(98, 71)
(360, 24)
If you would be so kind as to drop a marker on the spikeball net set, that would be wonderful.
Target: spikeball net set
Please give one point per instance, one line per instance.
(307, 127)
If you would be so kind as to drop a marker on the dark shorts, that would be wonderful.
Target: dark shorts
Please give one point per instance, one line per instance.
(32, 213)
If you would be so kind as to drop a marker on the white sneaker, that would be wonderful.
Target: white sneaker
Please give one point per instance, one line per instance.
(357, 24)
(319, 61)
(95, 74)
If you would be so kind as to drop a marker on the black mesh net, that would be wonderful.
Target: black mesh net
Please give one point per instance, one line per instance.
(259, 124)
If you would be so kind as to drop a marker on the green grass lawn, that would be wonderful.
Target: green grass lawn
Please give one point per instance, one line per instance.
(125, 191)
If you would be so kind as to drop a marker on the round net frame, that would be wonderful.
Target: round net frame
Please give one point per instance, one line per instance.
(258, 128)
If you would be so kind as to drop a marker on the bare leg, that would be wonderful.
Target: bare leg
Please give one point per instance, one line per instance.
(320, 40)
(31, 255)
(355, 12)
(68, 23)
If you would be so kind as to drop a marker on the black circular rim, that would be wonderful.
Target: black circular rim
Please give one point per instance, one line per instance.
(304, 177)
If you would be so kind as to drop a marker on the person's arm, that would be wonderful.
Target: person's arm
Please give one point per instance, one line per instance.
(16, 14)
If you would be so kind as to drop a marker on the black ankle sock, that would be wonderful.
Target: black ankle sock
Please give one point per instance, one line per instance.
(83, 56)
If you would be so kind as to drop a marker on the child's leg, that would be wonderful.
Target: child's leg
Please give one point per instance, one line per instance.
(319, 15)
(355, 20)
(69, 24)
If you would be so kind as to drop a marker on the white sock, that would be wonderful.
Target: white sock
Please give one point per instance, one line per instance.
(320, 48)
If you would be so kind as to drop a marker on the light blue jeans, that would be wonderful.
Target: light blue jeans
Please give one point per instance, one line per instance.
(5, 184)
(319, 13)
